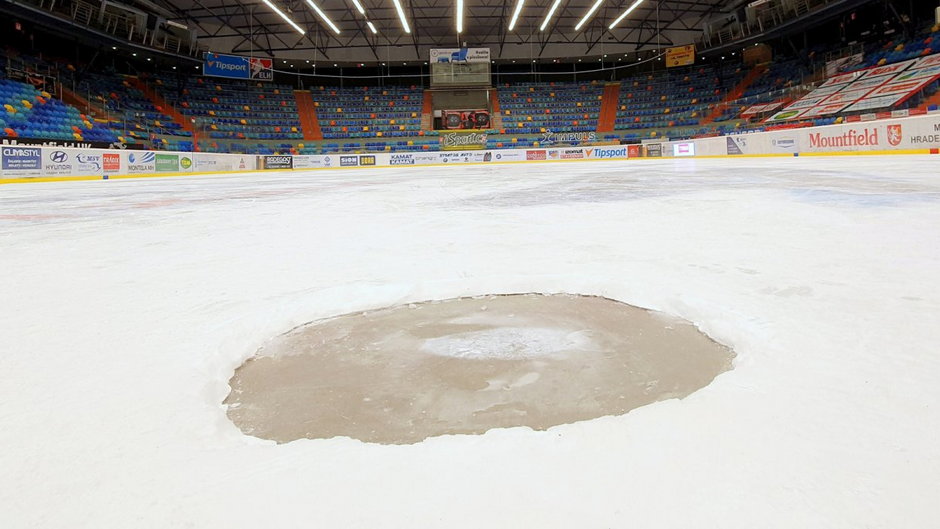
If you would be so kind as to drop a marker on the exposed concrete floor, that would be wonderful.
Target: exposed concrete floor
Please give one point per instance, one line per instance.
(464, 366)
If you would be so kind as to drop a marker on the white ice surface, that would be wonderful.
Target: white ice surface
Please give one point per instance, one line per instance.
(126, 305)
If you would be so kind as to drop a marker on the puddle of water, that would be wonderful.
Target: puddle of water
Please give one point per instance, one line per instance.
(463, 366)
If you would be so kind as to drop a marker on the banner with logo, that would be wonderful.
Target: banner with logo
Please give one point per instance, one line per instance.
(609, 153)
(460, 55)
(680, 56)
(20, 161)
(167, 163)
(278, 161)
(142, 162)
(72, 162)
(454, 141)
(238, 67)
(310, 161)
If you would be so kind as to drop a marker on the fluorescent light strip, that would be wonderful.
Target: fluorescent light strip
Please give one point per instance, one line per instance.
(515, 14)
(589, 13)
(625, 13)
(359, 7)
(459, 16)
(285, 17)
(401, 16)
(372, 27)
(323, 16)
(548, 17)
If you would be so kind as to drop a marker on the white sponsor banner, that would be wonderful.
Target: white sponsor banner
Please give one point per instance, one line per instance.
(905, 87)
(871, 82)
(806, 102)
(874, 103)
(509, 155)
(826, 109)
(826, 90)
(930, 60)
(844, 63)
(72, 162)
(609, 153)
(920, 73)
(787, 114)
(842, 79)
(890, 68)
(139, 162)
(846, 96)
(315, 161)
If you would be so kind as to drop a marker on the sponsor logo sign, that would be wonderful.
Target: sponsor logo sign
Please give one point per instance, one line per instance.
(460, 55)
(873, 103)
(509, 155)
(633, 151)
(806, 102)
(311, 161)
(551, 138)
(186, 162)
(787, 114)
(680, 56)
(783, 144)
(88, 163)
(535, 155)
(402, 159)
(167, 163)
(735, 145)
(23, 160)
(842, 79)
(572, 154)
(610, 152)
(653, 150)
(348, 161)
(851, 138)
(683, 149)
(930, 60)
(824, 109)
(57, 163)
(455, 141)
(111, 162)
(367, 160)
(278, 161)
(890, 68)
(141, 162)
(237, 67)
(895, 135)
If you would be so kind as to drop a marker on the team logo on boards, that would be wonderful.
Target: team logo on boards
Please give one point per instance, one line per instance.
(894, 135)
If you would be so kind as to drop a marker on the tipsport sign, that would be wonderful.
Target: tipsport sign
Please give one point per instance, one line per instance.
(238, 67)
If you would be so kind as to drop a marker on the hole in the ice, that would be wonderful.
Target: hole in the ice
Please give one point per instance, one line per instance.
(463, 366)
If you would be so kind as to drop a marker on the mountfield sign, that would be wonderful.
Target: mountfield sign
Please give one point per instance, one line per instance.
(851, 139)
(462, 141)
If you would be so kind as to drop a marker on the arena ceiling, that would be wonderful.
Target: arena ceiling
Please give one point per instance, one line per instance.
(339, 31)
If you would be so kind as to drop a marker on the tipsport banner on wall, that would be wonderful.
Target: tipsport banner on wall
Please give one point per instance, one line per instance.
(238, 67)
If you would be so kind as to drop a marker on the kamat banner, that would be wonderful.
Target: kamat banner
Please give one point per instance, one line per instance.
(238, 67)
(460, 55)
(680, 56)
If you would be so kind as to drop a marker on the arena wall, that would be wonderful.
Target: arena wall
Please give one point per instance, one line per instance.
(912, 135)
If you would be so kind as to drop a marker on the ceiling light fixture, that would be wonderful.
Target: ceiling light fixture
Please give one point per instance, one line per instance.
(588, 14)
(372, 27)
(459, 16)
(551, 11)
(515, 14)
(323, 16)
(284, 17)
(624, 14)
(359, 7)
(401, 15)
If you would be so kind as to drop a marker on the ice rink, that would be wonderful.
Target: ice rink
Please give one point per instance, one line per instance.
(127, 305)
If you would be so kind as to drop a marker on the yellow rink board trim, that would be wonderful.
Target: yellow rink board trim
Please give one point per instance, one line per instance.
(507, 162)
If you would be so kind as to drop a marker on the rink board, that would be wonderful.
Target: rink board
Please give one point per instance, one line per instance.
(912, 135)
